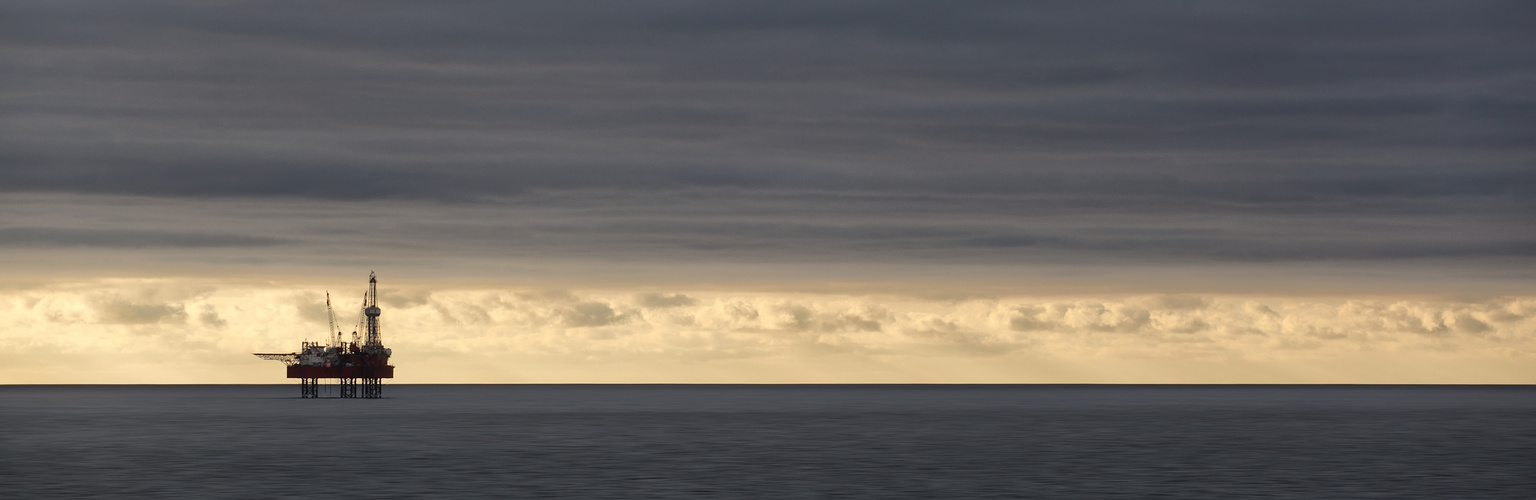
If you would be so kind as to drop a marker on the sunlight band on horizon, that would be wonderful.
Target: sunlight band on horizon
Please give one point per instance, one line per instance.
(189, 331)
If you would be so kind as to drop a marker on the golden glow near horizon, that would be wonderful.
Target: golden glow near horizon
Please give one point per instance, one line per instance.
(197, 331)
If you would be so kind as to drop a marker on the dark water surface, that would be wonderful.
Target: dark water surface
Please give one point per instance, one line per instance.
(445, 441)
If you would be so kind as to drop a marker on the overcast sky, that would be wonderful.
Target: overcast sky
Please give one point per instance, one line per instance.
(869, 154)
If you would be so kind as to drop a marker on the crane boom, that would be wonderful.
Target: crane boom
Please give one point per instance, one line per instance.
(288, 358)
(333, 335)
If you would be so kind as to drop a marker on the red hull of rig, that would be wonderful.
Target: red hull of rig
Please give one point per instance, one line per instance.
(341, 371)
(353, 364)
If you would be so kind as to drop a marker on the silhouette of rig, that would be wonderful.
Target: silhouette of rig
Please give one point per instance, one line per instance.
(352, 364)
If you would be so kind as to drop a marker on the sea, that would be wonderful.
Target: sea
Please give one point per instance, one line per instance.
(770, 441)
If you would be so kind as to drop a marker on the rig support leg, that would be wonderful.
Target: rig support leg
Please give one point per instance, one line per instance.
(309, 388)
(348, 388)
(373, 388)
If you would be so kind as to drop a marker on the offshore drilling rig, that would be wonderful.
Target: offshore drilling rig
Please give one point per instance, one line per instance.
(364, 363)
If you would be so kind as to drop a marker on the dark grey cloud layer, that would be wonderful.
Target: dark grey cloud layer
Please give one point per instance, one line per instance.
(1271, 118)
(127, 238)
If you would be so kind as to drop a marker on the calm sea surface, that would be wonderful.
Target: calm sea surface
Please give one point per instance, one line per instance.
(498, 441)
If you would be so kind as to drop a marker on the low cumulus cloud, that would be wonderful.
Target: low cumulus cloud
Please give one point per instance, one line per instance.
(949, 335)
(797, 317)
(121, 311)
(404, 298)
(137, 302)
(1177, 326)
(830, 332)
(209, 316)
(589, 314)
(311, 307)
(652, 300)
(546, 296)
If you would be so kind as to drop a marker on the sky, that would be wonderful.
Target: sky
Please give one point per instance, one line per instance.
(761, 192)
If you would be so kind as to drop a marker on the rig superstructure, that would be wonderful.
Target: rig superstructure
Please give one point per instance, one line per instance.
(354, 363)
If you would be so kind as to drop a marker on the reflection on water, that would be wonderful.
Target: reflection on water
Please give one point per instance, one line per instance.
(770, 442)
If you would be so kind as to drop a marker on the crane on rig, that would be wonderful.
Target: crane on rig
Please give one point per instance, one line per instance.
(333, 335)
(349, 363)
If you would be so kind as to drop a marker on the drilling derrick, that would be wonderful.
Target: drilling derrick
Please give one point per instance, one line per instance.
(352, 364)
(371, 312)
